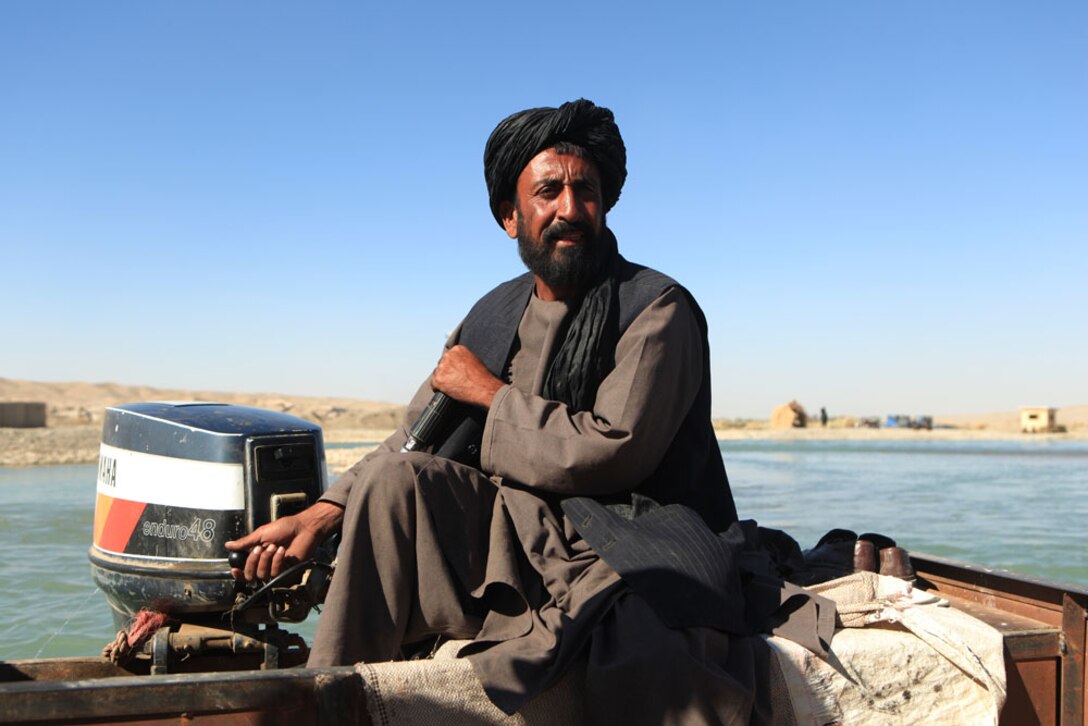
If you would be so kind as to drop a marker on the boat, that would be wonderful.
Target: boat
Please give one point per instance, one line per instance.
(1043, 624)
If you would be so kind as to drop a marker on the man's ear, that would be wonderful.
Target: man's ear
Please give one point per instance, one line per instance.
(509, 214)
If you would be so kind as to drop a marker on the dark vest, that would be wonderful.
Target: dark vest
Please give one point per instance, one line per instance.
(691, 472)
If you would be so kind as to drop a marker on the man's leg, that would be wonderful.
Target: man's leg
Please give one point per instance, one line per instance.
(392, 583)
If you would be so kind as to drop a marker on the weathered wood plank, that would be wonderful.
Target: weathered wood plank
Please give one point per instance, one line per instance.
(296, 697)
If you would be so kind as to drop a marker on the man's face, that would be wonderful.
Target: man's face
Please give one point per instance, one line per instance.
(557, 218)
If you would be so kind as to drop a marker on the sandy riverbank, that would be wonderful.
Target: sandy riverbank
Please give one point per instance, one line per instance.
(74, 413)
(75, 422)
(79, 444)
(862, 434)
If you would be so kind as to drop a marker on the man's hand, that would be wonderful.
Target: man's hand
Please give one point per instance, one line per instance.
(463, 377)
(288, 540)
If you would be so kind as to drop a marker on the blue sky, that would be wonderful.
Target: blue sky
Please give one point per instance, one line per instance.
(881, 207)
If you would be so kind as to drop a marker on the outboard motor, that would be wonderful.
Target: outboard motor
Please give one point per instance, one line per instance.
(176, 481)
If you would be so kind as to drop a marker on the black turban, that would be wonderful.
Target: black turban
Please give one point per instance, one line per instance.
(523, 135)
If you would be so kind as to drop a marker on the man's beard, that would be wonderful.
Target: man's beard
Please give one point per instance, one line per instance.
(566, 268)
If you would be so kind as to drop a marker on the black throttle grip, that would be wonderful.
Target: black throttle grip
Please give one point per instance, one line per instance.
(428, 423)
(237, 559)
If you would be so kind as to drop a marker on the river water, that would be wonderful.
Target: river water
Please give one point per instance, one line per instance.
(1019, 505)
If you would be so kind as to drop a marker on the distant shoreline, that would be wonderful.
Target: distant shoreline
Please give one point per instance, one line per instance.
(816, 433)
(75, 411)
(79, 444)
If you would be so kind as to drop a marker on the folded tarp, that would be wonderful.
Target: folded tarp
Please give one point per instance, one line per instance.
(903, 657)
(900, 656)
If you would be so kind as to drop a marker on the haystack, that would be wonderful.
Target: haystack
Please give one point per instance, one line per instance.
(789, 416)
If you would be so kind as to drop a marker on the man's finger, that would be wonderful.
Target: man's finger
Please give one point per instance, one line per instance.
(251, 563)
(264, 563)
(242, 542)
(277, 561)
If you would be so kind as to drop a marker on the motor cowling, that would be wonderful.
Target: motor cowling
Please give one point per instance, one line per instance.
(178, 480)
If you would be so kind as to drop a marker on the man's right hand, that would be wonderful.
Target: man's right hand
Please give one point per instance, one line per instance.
(286, 541)
(463, 377)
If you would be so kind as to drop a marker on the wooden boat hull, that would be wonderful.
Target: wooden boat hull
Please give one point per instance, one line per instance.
(1043, 623)
(295, 696)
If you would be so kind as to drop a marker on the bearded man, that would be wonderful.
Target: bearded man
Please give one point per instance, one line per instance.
(584, 394)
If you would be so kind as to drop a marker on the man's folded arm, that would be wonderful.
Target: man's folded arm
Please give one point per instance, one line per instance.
(639, 408)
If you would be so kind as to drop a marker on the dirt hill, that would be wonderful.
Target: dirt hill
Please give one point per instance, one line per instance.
(71, 404)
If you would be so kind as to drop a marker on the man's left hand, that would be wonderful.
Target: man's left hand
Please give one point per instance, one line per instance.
(463, 377)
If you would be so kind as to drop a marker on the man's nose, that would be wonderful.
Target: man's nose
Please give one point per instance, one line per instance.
(570, 207)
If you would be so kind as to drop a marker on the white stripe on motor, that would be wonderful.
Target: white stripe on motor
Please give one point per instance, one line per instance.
(174, 482)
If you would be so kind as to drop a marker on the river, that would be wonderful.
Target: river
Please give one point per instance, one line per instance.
(1017, 504)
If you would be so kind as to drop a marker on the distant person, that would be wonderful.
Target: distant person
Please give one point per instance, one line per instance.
(823, 417)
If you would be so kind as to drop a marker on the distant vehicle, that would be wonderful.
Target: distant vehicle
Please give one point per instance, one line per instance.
(907, 422)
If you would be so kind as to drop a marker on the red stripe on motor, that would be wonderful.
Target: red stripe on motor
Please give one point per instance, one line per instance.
(120, 523)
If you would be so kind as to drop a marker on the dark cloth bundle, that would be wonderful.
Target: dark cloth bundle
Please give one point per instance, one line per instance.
(732, 581)
(588, 352)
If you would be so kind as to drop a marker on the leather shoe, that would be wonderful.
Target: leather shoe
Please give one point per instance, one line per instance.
(865, 558)
(895, 561)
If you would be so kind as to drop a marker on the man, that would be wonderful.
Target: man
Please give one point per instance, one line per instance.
(587, 377)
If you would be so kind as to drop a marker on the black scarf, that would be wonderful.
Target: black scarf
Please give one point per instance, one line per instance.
(588, 352)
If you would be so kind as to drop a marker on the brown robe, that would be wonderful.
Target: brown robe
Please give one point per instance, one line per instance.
(431, 546)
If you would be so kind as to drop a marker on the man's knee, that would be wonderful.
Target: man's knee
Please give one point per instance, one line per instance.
(387, 479)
